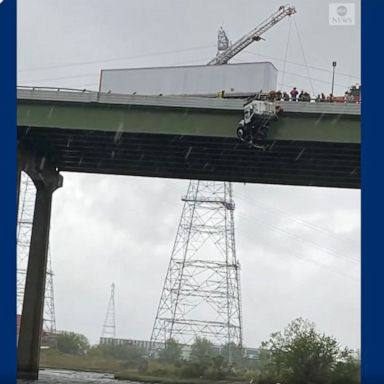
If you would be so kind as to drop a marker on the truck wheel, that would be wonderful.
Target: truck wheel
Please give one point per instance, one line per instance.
(240, 133)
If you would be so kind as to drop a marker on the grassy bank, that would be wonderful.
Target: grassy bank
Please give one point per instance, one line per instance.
(158, 373)
(144, 378)
(50, 358)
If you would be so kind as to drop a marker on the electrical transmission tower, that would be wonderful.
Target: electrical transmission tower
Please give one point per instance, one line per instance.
(23, 238)
(49, 317)
(109, 326)
(201, 293)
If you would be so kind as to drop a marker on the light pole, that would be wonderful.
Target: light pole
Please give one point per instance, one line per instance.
(333, 75)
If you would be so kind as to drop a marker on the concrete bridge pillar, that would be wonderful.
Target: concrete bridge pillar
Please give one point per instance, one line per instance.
(46, 179)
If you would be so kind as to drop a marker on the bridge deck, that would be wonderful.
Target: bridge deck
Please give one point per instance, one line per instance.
(190, 137)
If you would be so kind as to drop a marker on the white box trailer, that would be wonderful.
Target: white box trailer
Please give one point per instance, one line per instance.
(191, 80)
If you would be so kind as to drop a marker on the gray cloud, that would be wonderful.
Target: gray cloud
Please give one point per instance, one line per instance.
(121, 229)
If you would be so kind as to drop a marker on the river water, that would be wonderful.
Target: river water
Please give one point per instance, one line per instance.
(56, 376)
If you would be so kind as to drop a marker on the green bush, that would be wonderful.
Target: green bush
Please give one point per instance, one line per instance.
(215, 373)
(161, 369)
(192, 370)
(172, 352)
(346, 372)
(302, 355)
(72, 343)
(120, 352)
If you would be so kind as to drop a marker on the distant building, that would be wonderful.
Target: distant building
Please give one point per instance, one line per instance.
(251, 353)
(144, 346)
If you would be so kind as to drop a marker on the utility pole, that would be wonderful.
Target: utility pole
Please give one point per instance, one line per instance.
(333, 76)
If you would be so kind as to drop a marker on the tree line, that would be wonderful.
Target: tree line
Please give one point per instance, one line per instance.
(299, 354)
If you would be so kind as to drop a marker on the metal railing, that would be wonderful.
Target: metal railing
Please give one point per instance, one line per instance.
(58, 89)
(219, 95)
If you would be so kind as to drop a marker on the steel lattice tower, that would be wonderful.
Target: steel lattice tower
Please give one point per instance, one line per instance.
(23, 238)
(23, 235)
(201, 293)
(49, 317)
(109, 326)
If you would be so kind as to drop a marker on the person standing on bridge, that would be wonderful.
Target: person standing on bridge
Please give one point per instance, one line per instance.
(306, 96)
(294, 94)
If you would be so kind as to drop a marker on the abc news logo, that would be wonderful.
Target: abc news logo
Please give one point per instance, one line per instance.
(341, 14)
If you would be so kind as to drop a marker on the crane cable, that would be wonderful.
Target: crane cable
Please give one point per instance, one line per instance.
(302, 52)
(286, 50)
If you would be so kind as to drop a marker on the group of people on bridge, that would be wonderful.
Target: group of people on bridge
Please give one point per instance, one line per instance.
(351, 96)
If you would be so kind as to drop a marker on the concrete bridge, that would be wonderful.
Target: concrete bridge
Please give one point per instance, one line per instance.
(312, 144)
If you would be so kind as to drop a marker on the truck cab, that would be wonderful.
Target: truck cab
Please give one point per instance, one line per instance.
(257, 115)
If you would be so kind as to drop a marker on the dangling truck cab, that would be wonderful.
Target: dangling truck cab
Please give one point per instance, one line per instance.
(257, 116)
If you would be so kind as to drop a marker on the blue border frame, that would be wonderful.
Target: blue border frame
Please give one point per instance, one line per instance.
(372, 194)
(8, 190)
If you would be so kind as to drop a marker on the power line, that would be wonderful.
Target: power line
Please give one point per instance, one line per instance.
(286, 214)
(114, 59)
(66, 77)
(304, 77)
(316, 79)
(303, 53)
(314, 244)
(309, 242)
(301, 65)
(302, 241)
(93, 75)
(293, 253)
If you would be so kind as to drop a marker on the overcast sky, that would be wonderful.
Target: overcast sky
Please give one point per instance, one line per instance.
(299, 248)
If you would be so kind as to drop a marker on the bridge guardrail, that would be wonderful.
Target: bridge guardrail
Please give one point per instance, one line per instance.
(74, 95)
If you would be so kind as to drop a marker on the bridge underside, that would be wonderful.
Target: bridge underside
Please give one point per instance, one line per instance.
(188, 138)
(290, 162)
